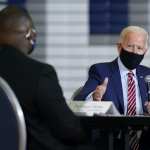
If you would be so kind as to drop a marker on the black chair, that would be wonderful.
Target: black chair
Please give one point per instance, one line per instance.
(76, 92)
(12, 123)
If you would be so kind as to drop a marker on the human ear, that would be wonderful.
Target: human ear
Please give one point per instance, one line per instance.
(119, 47)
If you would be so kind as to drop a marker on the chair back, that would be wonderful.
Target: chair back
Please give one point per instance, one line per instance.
(12, 122)
(76, 92)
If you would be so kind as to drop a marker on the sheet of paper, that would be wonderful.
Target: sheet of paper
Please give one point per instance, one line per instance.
(89, 108)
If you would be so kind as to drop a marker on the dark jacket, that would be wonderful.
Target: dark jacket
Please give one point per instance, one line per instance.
(50, 123)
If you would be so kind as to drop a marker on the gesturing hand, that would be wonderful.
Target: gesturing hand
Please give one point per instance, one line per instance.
(100, 90)
(147, 105)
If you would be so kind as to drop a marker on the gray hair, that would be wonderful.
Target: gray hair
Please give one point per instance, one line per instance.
(130, 29)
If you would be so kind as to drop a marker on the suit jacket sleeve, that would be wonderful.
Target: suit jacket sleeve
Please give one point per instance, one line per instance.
(62, 123)
(94, 79)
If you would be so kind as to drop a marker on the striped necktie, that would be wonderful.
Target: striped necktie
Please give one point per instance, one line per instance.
(131, 107)
(131, 111)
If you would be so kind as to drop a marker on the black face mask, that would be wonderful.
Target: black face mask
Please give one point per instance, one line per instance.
(130, 60)
(32, 47)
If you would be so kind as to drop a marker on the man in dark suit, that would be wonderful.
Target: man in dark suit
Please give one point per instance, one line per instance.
(50, 123)
(109, 81)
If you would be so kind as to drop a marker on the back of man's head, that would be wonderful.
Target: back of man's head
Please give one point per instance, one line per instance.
(11, 16)
(15, 24)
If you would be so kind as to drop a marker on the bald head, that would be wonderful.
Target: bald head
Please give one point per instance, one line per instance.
(12, 16)
(15, 24)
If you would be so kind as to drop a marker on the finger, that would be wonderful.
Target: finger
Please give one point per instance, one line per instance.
(146, 103)
(96, 96)
(100, 90)
(96, 99)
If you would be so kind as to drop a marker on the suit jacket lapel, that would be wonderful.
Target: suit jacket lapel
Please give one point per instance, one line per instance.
(142, 86)
(117, 86)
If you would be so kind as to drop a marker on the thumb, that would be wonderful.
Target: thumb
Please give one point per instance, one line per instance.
(105, 82)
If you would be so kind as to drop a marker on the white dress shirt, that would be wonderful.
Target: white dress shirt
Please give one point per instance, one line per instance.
(124, 76)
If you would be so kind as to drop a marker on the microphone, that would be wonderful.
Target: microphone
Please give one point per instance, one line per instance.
(147, 80)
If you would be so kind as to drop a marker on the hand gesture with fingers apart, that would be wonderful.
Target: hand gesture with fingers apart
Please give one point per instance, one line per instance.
(100, 90)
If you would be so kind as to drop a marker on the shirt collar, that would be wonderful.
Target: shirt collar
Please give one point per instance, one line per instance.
(123, 69)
